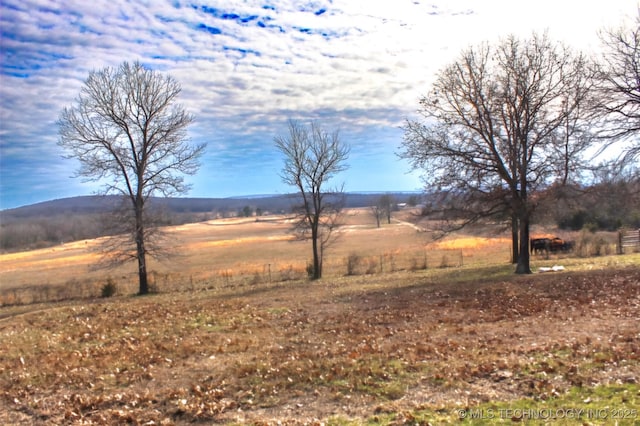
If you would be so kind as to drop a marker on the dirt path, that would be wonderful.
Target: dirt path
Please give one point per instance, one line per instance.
(409, 224)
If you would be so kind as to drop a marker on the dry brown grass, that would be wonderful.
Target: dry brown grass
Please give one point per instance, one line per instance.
(234, 251)
(398, 345)
(250, 251)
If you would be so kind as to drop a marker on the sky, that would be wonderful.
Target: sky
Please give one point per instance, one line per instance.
(246, 67)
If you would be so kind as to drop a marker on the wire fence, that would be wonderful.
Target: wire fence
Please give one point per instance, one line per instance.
(242, 276)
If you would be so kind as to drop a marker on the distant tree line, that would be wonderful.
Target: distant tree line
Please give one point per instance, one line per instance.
(608, 205)
(42, 231)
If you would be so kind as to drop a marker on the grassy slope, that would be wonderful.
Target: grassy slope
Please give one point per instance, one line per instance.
(388, 348)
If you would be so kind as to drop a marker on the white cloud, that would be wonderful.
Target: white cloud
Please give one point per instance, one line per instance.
(246, 67)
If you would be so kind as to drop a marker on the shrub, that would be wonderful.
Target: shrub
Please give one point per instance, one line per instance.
(418, 264)
(290, 273)
(391, 260)
(353, 262)
(583, 243)
(257, 278)
(373, 265)
(226, 275)
(591, 227)
(109, 289)
(597, 246)
(590, 244)
(310, 269)
(575, 221)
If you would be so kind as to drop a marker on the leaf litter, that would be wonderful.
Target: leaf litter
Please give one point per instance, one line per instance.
(302, 353)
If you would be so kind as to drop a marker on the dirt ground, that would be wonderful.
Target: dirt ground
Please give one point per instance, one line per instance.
(303, 353)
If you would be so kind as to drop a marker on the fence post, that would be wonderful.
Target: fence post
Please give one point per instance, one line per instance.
(620, 249)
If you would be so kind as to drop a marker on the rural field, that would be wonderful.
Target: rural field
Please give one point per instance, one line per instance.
(401, 330)
(241, 251)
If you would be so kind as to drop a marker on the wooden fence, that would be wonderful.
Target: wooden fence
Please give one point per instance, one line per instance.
(628, 241)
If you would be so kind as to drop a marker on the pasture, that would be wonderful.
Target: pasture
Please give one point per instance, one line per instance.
(238, 252)
(401, 330)
(242, 252)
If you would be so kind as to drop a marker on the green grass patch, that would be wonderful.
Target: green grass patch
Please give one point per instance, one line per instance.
(606, 404)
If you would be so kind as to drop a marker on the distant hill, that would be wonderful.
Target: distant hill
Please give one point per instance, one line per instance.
(68, 219)
(99, 204)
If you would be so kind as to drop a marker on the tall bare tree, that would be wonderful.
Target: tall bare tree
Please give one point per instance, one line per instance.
(387, 204)
(618, 86)
(127, 131)
(377, 213)
(500, 123)
(312, 157)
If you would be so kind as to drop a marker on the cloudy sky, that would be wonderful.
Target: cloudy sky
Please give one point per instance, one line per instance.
(248, 66)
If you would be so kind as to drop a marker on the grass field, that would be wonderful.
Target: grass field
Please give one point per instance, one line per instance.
(238, 335)
(238, 252)
(248, 251)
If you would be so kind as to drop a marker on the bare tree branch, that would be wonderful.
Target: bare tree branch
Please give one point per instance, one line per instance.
(312, 157)
(128, 133)
(499, 124)
(618, 86)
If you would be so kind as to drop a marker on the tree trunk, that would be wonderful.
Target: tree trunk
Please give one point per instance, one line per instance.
(514, 239)
(523, 266)
(142, 269)
(317, 265)
(141, 252)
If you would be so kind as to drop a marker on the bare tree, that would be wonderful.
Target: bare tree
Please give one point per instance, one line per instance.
(377, 212)
(382, 208)
(618, 85)
(387, 204)
(312, 157)
(500, 123)
(128, 133)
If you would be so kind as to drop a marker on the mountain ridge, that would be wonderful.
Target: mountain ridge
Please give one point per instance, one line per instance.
(101, 203)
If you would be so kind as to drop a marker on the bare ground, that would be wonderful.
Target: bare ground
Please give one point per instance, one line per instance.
(300, 353)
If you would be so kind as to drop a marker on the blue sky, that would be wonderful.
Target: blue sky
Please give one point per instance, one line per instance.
(246, 68)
